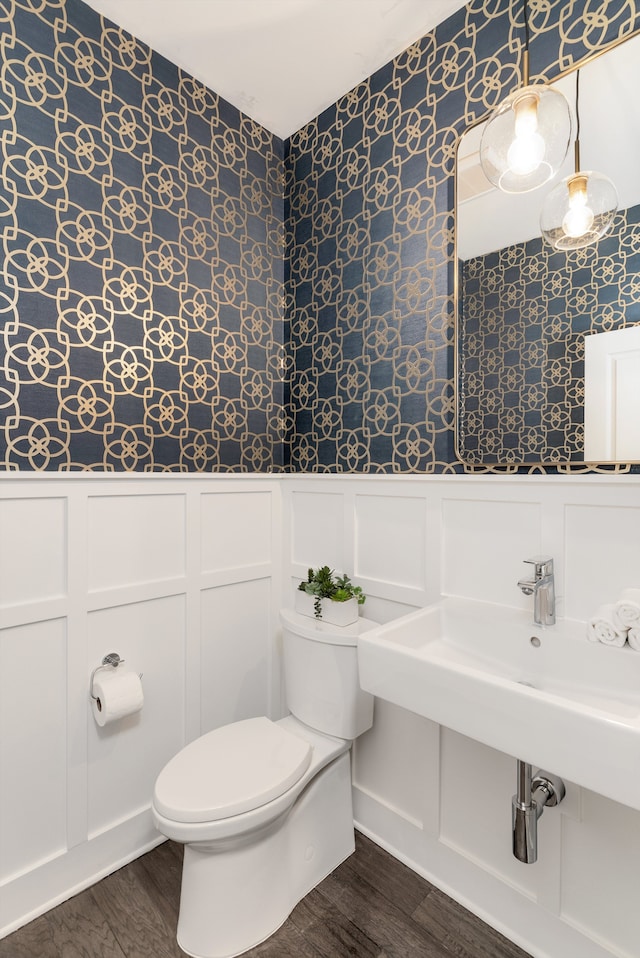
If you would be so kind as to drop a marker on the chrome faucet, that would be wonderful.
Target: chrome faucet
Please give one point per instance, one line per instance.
(542, 587)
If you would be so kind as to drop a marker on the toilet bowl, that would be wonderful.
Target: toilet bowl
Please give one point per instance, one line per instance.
(263, 808)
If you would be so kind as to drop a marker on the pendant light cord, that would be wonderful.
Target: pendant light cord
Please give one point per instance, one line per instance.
(525, 65)
(576, 148)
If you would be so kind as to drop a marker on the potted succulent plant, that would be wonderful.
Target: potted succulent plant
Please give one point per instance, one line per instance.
(330, 597)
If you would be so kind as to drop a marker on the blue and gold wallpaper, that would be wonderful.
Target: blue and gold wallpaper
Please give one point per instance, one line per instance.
(181, 291)
(142, 245)
(370, 232)
(524, 314)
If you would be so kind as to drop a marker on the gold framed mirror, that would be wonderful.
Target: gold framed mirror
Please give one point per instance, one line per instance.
(527, 315)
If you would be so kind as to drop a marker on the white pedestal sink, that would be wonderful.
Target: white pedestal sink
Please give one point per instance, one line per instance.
(546, 696)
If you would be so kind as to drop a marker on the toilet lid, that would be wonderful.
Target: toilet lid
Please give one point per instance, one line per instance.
(231, 770)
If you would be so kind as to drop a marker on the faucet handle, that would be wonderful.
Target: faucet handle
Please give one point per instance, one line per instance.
(543, 565)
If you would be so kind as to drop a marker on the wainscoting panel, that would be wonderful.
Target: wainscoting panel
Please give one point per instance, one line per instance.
(134, 539)
(397, 763)
(602, 902)
(125, 757)
(476, 785)
(236, 639)
(33, 745)
(398, 525)
(33, 564)
(235, 530)
(485, 542)
(317, 524)
(180, 576)
(603, 553)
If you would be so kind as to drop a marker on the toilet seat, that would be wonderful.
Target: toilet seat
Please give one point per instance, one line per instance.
(231, 770)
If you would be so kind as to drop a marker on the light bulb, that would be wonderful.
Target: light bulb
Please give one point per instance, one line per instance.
(525, 108)
(579, 217)
(526, 153)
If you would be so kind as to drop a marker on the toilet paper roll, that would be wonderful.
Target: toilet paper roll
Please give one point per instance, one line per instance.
(116, 694)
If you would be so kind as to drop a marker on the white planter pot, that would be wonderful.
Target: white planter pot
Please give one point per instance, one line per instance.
(333, 613)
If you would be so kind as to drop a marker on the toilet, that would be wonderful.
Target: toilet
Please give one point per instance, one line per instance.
(263, 808)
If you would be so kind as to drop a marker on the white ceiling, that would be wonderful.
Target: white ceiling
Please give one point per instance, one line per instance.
(282, 62)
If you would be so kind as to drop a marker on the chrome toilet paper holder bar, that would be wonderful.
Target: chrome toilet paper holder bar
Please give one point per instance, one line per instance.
(111, 661)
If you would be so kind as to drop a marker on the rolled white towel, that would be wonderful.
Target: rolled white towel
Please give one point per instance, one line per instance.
(601, 628)
(626, 611)
(633, 638)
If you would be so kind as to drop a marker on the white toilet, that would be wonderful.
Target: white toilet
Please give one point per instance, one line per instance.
(264, 808)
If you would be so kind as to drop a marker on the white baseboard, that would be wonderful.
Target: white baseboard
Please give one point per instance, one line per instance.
(519, 918)
(31, 894)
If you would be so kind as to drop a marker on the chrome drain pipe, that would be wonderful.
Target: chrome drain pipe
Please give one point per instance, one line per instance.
(528, 804)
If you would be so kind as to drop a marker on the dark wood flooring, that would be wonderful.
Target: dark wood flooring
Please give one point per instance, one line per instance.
(372, 906)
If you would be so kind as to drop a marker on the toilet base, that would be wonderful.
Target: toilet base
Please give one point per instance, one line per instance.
(237, 893)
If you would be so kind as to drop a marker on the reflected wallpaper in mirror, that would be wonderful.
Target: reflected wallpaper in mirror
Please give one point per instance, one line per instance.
(524, 309)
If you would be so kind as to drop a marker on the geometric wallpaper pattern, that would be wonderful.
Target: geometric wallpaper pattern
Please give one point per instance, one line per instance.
(142, 247)
(181, 291)
(370, 235)
(525, 311)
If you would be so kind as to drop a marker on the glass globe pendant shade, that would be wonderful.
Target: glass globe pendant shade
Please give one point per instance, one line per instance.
(579, 211)
(526, 139)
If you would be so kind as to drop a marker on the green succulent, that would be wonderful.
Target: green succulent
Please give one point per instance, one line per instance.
(322, 583)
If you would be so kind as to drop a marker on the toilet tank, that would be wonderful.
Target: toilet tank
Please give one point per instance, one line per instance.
(322, 686)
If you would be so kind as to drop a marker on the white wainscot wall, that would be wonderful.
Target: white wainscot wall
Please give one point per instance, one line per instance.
(181, 577)
(437, 800)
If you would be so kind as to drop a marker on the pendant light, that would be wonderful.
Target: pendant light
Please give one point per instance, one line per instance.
(525, 140)
(580, 210)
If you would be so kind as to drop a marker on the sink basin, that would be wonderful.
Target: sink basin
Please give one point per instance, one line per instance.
(546, 696)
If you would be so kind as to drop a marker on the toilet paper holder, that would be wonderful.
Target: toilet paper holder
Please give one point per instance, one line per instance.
(111, 661)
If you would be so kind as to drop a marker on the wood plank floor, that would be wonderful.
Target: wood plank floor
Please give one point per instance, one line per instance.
(372, 906)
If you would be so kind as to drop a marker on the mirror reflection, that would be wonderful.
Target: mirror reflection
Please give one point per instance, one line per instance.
(525, 311)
